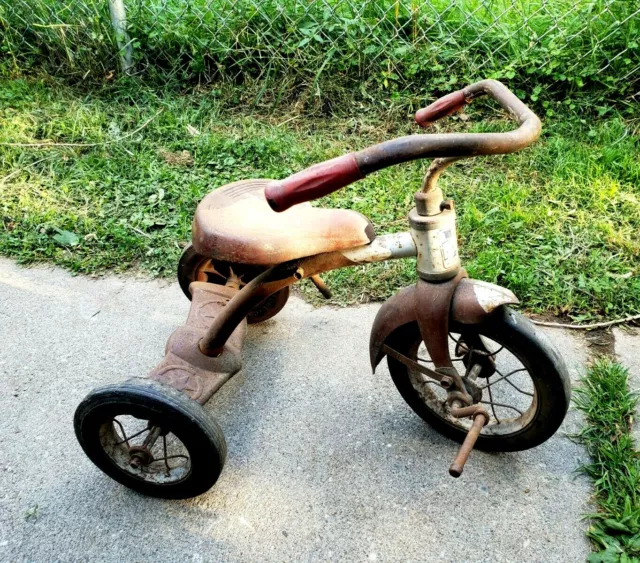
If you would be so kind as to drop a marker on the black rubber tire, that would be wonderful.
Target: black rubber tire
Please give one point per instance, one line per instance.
(173, 411)
(545, 366)
(189, 262)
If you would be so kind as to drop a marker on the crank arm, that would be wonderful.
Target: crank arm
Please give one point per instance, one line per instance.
(479, 414)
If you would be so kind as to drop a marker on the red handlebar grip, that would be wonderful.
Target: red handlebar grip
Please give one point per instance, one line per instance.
(441, 108)
(312, 183)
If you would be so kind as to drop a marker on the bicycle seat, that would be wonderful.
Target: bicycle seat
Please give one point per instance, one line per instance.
(235, 224)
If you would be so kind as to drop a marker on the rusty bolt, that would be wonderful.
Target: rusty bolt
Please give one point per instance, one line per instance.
(446, 382)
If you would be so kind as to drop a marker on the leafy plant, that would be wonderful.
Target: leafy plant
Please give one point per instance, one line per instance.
(615, 465)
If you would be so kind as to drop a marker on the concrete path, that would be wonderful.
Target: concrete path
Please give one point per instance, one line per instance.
(627, 349)
(326, 462)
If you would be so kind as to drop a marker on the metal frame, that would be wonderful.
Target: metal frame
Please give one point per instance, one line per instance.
(206, 352)
(382, 248)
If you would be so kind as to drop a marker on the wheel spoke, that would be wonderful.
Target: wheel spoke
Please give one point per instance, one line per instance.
(492, 403)
(481, 347)
(124, 434)
(130, 437)
(485, 353)
(506, 377)
(518, 388)
(493, 410)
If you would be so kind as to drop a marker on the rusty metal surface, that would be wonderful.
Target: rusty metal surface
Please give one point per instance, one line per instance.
(465, 308)
(480, 419)
(433, 304)
(235, 224)
(404, 149)
(473, 410)
(396, 311)
(436, 243)
(386, 247)
(443, 379)
(321, 286)
(475, 299)
(216, 338)
(326, 177)
(430, 182)
(184, 367)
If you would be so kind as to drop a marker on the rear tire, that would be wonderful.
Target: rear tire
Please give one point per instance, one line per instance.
(191, 262)
(140, 400)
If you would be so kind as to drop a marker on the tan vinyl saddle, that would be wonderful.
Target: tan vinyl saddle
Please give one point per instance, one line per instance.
(235, 224)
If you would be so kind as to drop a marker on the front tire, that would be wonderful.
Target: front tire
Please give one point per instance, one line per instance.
(550, 387)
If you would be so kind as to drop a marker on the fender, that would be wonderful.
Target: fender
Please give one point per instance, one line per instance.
(472, 302)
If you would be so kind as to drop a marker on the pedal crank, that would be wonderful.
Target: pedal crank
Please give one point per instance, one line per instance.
(480, 419)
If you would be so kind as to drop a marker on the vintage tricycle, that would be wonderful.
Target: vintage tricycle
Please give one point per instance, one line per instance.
(474, 369)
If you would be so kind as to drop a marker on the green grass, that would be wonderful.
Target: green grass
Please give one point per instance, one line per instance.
(556, 223)
(609, 407)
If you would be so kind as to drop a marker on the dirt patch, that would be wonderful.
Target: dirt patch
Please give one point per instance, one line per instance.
(181, 158)
(601, 342)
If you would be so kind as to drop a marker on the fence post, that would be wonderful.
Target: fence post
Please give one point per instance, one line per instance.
(119, 23)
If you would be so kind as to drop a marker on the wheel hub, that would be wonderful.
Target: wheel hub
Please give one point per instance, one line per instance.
(139, 456)
(472, 356)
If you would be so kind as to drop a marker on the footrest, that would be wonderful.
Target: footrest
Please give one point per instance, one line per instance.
(187, 369)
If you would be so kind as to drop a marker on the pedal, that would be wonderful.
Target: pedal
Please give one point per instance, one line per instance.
(480, 419)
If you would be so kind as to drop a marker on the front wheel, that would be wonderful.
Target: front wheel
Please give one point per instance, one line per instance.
(523, 383)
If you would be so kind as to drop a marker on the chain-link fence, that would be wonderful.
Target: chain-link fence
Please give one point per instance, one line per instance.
(389, 45)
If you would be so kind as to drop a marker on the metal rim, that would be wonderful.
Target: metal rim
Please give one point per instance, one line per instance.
(505, 419)
(166, 461)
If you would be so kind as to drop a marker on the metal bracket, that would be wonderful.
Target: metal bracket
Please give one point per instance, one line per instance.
(411, 364)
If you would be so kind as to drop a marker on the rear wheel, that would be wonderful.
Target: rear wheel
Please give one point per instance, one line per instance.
(523, 383)
(151, 438)
(195, 267)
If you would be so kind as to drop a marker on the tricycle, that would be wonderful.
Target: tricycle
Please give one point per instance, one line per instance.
(468, 364)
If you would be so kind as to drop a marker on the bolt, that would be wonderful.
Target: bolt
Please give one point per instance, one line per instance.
(446, 382)
(135, 461)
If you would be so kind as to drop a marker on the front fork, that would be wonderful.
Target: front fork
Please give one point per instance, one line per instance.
(433, 310)
(433, 229)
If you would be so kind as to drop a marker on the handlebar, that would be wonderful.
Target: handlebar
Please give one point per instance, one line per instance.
(329, 176)
(441, 108)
